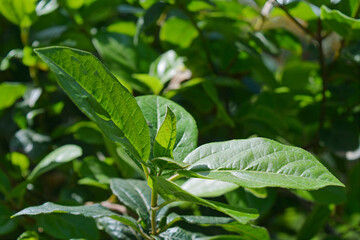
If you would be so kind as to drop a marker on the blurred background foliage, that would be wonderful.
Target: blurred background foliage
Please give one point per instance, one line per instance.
(285, 70)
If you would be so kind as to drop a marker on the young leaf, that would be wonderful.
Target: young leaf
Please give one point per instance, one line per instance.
(54, 159)
(170, 191)
(100, 96)
(166, 136)
(259, 162)
(154, 110)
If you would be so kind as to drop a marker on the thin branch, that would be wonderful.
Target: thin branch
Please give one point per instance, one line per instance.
(305, 29)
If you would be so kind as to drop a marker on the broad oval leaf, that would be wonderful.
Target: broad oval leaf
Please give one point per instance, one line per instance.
(166, 136)
(154, 110)
(100, 96)
(259, 162)
(54, 159)
(172, 192)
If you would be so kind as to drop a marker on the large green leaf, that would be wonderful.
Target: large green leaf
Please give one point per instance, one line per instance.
(259, 162)
(154, 110)
(100, 96)
(170, 191)
(92, 211)
(54, 159)
(166, 136)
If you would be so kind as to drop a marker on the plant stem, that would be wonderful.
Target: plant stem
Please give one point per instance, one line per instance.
(154, 197)
(174, 177)
(295, 20)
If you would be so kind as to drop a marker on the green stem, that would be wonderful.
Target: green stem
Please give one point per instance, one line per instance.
(154, 208)
(174, 177)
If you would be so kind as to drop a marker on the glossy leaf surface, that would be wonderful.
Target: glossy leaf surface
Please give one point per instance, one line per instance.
(54, 159)
(100, 96)
(166, 136)
(259, 162)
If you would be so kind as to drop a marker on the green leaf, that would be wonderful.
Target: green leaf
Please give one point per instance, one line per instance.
(92, 211)
(345, 26)
(9, 93)
(177, 233)
(135, 194)
(247, 231)
(54, 159)
(170, 191)
(66, 226)
(152, 82)
(259, 162)
(19, 12)
(125, 58)
(241, 197)
(178, 31)
(168, 163)
(166, 136)
(207, 188)
(94, 169)
(154, 110)
(100, 96)
(116, 229)
(205, 220)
